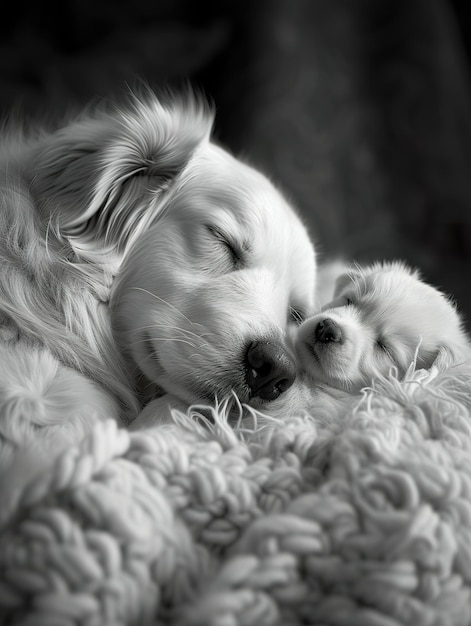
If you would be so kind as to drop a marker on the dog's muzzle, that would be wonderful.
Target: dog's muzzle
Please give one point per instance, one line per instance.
(269, 370)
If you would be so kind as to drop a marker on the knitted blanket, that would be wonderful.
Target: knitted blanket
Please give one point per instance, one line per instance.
(365, 521)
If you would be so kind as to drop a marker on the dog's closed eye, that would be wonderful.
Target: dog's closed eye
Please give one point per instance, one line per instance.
(234, 252)
(382, 346)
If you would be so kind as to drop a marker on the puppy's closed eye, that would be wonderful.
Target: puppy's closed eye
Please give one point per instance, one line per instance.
(340, 301)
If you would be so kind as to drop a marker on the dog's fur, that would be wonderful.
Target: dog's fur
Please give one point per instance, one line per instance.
(208, 256)
(382, 316)
(227, 263)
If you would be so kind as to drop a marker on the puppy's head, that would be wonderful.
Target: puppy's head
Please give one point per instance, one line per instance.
(381, 317)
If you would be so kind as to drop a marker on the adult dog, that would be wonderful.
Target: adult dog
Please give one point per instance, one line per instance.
(205, 262)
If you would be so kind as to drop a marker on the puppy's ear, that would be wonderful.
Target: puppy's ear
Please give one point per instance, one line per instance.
(345, 280)
(98, 175)
(328, 272)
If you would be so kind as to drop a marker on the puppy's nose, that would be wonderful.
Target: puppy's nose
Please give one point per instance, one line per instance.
(328, 331)
(269, 370)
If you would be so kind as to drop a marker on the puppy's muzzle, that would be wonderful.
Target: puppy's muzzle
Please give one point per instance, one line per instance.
(269, 370)
(328, 331)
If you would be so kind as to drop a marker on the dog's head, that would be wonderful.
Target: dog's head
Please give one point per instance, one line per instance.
(212, 264)
(205, 296)
(381, 317)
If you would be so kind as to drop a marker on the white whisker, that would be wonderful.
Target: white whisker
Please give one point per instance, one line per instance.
(174, 339)
(164, 302)
(184, 331)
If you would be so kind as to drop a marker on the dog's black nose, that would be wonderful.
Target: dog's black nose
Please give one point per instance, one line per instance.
(269, 370)
(328, 331)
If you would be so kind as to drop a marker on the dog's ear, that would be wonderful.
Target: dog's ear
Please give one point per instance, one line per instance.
(93, 176)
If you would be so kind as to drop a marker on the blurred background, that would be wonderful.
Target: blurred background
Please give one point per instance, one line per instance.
(360, 110)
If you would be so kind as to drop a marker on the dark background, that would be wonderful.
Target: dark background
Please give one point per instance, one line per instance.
(359, 109)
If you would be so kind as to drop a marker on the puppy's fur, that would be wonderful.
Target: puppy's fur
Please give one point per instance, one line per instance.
(381, 317)
(209, 258)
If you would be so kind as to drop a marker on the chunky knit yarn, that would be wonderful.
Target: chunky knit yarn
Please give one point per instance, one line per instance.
(364, 522)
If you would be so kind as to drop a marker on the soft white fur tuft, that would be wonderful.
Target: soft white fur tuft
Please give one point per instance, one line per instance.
(41, 399)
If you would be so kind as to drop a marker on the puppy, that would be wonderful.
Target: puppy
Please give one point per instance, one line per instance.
(205, 262)
(382, 317)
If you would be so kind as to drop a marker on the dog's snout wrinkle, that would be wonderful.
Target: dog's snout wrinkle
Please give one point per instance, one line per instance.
(269, 369)
(328, 331)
